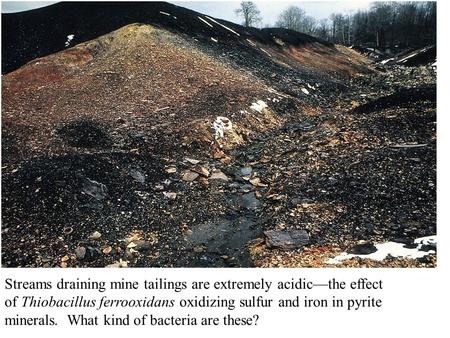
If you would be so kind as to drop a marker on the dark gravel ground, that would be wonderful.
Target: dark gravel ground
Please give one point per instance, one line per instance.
(343, 175)
(110, 159)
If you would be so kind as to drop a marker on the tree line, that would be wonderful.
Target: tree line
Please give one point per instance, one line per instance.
(384, 24)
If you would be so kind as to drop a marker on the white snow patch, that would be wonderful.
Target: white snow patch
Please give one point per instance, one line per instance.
(232, 31)
(280, 95)
(392, 249)
(305, 91)
(258, 106)
(429, 240)
(408, 57)
(220, 125)
(215, 40)
(265, 52)
(203, 20)
(251, 42)
(310, 87)
(386, 61)
(69, 39)
(164, 13)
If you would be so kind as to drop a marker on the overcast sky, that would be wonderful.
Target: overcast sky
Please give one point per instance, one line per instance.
(225, 9)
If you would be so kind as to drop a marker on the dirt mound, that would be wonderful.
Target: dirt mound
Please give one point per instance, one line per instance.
(29, 35)
(412, 57)
(419, 57)
(400, 98)
(85, 134)
(56, 187)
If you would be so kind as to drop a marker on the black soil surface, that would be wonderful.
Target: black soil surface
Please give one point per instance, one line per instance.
(36, 33)
(115, 161)
(85, 134)
(343, 177)
(403, 97)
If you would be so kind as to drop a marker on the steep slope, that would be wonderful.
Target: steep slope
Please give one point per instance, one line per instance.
(39, 32)
(126, 78)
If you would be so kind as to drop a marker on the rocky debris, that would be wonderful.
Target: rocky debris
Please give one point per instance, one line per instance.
(176, 18)
(87, 253)
(95, 235)
(171, 170)
(190, 176)
(290, 159)
(245, 171)
(372, 53)
(192, 161)
(118, 264)
(139, 245)
(170, 195)
(201, 170)
(286, 239)
(399, 98)
(249, 201)
(363, 249)
(80, 252)
(257, 182)
(137, 176)
(218, 175)
(85, 134)
(300, 127)
(95, 189)
(412, 58)
(107, 250)
(380, 252)
(258, 106)
(319, 256)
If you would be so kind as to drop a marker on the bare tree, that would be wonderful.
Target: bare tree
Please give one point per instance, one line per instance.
(323, 29)
(249, 12)
(387, 24)
(296, 19)
(384, 24)
(291, 18)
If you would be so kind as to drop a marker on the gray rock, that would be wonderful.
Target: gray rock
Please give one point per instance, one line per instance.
(137, 176)
(170, 195)
(80, 252)
(95, 235)
(95, 189)
(218, 175)
(286, 239)
(245, 171)
(301, 127)
(92, 253)
(363, 249)
(190, 176)
(142, 245)
(249, 201)
(191, 160)
(246, 187)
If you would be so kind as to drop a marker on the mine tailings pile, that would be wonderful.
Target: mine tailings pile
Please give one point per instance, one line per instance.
(142, 135)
